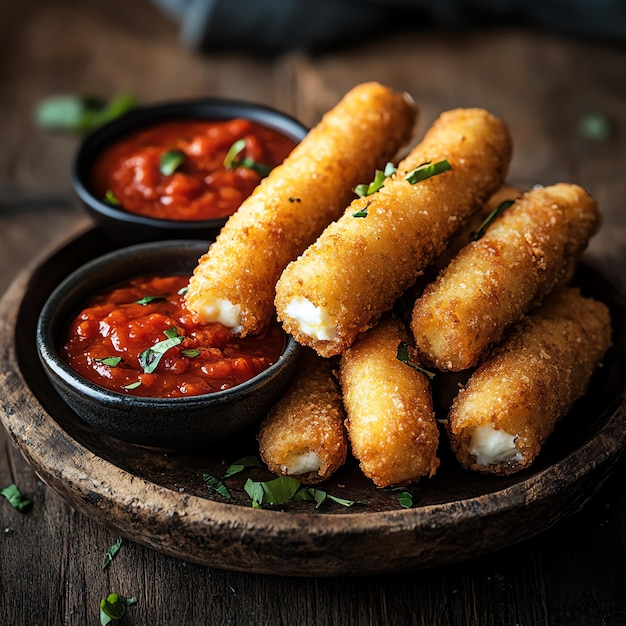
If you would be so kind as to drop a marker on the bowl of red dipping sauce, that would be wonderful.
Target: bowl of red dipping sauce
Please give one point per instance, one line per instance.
(179, 169)
(123, 351)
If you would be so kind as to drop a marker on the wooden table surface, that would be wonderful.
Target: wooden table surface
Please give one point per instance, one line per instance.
(545, 87)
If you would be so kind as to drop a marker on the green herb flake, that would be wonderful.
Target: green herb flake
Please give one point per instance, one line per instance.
(150, 358)
(427, 170)
(132, 386)
(362, 212)
(216, 485)
(595, 126)
(111, 199)
(503, 206)
(171, 161)
(231, 161)
(111, 361)
(403, 356)
(277, 491)
(241, 464)
(367, 189)
(405, 498)
(192, 353)
(113, 607)
(111, 553)
(149, 299)
(15, 498)
(78, 114)
(291, 199)
(182, 291)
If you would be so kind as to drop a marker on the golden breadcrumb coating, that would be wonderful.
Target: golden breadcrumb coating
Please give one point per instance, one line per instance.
(299, 198)
(391, 423)
(492, 282)
(359, 266)
(530, 382)
(305, 428)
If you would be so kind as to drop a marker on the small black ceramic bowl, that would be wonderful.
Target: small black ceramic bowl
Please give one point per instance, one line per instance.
(127, 228)
(181, 423)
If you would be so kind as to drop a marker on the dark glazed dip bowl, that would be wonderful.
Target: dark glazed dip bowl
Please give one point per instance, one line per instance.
(126, 227)
(180, 423)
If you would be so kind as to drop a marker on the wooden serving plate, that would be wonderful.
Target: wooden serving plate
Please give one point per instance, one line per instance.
(160, 499)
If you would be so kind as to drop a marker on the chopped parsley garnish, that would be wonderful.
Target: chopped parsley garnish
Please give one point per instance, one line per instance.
(182, 291)
(171, 161)
(362, 212)
(80, 114)
(111, 553)
(192, 353)
(111, 361)
(380, 176)
(286, 488)
(111, 198)
(503, 206)
(15, 498)
(405, 497)
(231, 161)
(291, 199)
(427, 170)
(114, 607)
(216, 485)
(148, 299)
(403, 356)
(241, 464)
(149, 359)
(132, 386)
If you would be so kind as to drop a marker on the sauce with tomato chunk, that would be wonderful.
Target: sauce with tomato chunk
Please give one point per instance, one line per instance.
(177, 170)
(140, 339)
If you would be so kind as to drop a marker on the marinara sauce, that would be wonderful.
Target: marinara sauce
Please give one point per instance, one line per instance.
(133, 173)
(141, 339)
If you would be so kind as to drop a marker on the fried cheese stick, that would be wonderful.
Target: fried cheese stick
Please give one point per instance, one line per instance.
(234, 281)
(511, 403)
(362, 263)
(303, 435)
(492, 282)
(390, 419)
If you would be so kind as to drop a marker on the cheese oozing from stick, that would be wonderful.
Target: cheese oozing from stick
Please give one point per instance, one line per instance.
(490, 445)
(313, 320)
(214, 309)
(303, 463)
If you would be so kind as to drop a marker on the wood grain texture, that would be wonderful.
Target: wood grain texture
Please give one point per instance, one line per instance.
(50, 558)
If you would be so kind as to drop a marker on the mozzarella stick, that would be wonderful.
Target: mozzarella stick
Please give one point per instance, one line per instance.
(500, 420)
(303, 435)
(234, 281)
(492, 282)
(362, 263)
(391, 423)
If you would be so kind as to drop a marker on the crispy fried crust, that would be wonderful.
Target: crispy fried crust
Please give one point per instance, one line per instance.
(391, 424)
(532, 379)
(492, 282)
(300, 197)
(359, 266)
(308, 418)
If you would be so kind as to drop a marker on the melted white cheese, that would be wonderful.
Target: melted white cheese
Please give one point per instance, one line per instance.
(222, 311)
(491, 446)
(312, 320)
(303, 463)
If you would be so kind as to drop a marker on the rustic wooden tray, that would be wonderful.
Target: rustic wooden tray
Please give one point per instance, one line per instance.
(160, 500)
